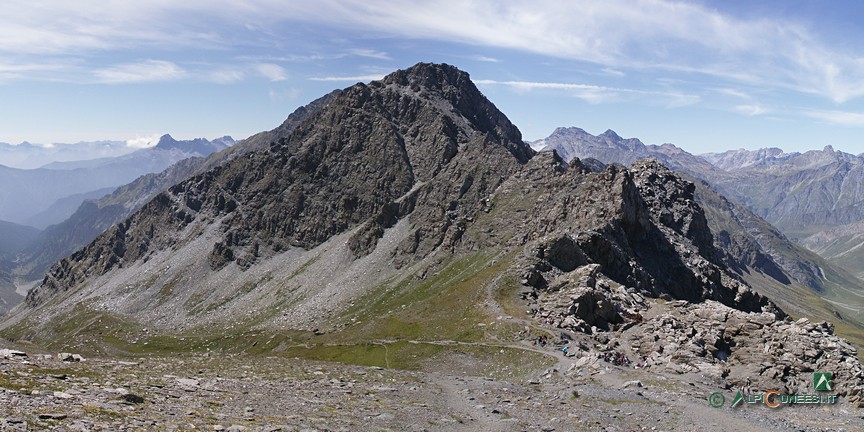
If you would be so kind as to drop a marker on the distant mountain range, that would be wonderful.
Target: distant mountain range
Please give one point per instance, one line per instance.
(31, 156)
(48, 195)
(815, 197)
(800, 193)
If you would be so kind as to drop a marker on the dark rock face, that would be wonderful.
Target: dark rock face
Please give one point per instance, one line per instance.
(608, 242)
(351, 163)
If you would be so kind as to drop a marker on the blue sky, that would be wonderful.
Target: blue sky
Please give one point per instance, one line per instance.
(706, 76)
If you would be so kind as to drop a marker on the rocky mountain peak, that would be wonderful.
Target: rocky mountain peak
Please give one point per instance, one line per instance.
(445, 85)
(573, 141)
(166, 141)
(200, 146)
(357, 160)
(431, 76)
(611, 135)
(565, 131)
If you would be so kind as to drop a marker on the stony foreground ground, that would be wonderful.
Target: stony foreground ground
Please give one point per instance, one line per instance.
(210, 392)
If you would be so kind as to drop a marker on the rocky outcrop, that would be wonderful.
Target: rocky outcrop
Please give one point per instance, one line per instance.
(646, 279)
(644, 230)
(724, 343)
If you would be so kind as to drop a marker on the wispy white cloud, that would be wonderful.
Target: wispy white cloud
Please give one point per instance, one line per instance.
(487, 59)
(734, 93)
(368, 53)
(599, 94)
(674, 36)
(283, 95)
(356, 78)
(272, 71)
(845, 118)
(29, 67)
(146, 71)
(751, 109)
(47, 69)
(613, 72)
(143, 141)
(58, 27)
(225, 76)
(290, 58)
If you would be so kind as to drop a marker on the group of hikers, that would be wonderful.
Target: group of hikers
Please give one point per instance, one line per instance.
(615, 357)
(541, 341)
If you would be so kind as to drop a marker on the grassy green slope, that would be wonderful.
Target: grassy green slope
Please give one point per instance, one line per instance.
(409, 323)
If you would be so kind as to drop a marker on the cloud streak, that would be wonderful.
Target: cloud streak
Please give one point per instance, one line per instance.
(599, 94)
(143, 141)
(665, 35)
(272, 71)
(146, 71)
(843, 118)
(751, 109)
(368, 53)
(355, 78)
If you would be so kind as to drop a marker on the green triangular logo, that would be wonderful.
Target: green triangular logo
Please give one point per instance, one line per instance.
(738, 398)
(823, 381)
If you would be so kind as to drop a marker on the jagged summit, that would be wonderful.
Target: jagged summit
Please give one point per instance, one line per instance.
(166, 141)
(456, 88)
(572, 141)
(199, 146)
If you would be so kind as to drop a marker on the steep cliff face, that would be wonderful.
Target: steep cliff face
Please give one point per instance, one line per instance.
(640, 227)
(600, 245)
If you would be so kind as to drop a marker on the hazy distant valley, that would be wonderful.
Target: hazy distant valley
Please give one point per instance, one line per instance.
(409, 262)
(50, 211)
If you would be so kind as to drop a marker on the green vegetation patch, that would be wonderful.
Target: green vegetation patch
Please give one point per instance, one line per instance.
(443, 306)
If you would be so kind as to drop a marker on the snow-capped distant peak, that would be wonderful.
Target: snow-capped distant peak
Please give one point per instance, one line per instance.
(538, 145)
